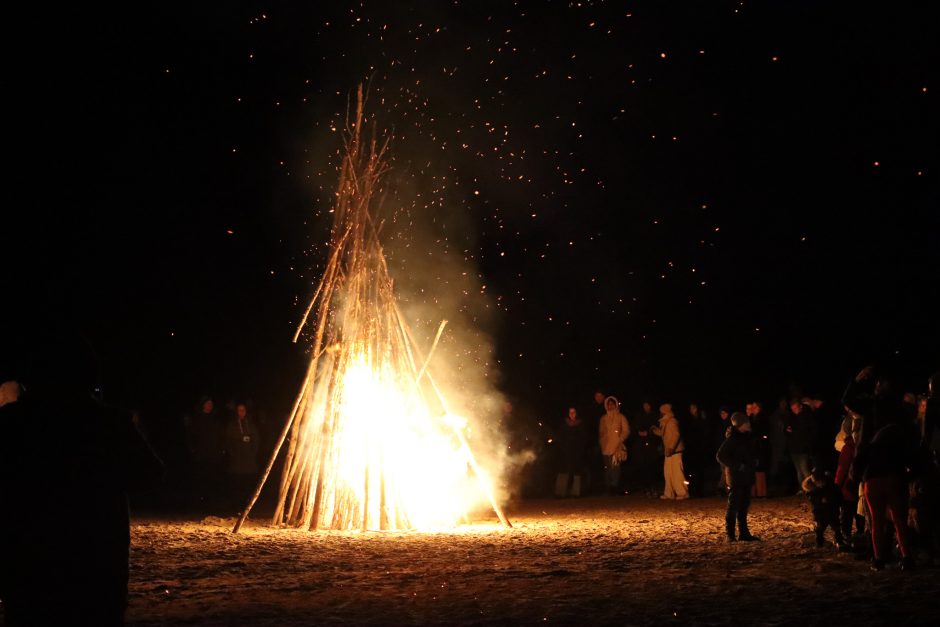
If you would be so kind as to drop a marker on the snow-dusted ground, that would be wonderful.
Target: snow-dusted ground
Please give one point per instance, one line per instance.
(616, 560)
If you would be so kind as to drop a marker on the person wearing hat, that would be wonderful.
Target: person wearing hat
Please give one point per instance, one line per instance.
(738, 458)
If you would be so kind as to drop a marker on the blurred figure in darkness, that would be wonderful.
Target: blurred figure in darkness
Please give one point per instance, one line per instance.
(205, 428)
(760, 425)
(241, 454)
(694, 429)
(801, 433)
(67, 463)
(931, 428)
(572, 443)
(645, 460)
(828, 421)
(594, 476)
(777, 433)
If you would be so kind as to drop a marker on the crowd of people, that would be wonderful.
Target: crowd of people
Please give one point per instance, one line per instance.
(867, 462)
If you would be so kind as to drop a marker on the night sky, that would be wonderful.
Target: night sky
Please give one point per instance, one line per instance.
(704, 200)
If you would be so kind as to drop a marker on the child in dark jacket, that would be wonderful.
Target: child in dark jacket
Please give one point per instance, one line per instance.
(825, 497)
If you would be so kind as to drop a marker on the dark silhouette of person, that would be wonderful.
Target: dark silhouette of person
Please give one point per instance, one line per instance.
(738, 457)
(67, 463)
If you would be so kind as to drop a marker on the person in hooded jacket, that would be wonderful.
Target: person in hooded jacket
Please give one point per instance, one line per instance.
(738, 457)
(613, 431)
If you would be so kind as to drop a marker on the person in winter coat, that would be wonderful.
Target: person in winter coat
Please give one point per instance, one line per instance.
(825, 497)
(882, 466)
(872, 397)
(572, 445)
(241, 449)
(205, 430)
(612, 433)
(738, 458)
(801, 433)
(673, 447)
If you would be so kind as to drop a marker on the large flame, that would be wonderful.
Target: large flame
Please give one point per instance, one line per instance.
(391, 463)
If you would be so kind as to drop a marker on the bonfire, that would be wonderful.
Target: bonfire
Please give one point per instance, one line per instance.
(371, 441)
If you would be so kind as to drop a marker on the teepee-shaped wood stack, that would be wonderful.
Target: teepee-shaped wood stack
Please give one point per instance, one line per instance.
(366, 381)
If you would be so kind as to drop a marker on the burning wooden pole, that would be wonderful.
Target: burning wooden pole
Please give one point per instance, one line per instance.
(362, 440)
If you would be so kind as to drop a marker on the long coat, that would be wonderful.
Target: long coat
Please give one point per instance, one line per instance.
(738, 455)
(614, 430)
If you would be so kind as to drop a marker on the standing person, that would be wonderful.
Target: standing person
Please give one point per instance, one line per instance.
(828, 421)
(761, 428)
(738, 458)
(572, 441)
(644, 454)
(673, 447)
(825, 497)
(595, 464)
(241, 448)
(778, 445)
(694, 429)
(205, 429)
(718, 434)
(64, 522)
(612, 433)
(800, 435)
(882, 466)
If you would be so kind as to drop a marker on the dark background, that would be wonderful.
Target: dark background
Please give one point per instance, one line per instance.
(756, 208)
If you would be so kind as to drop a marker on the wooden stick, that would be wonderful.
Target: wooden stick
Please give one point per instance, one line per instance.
(437, 338)
(277, 449)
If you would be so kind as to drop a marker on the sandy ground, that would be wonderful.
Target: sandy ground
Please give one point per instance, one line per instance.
(614, 560)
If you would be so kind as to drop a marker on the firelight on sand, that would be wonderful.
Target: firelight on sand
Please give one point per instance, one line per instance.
(372, 444)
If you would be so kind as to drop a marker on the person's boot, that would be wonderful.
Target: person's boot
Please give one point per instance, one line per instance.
(746, 536)
(907, 563)
(877, 564)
